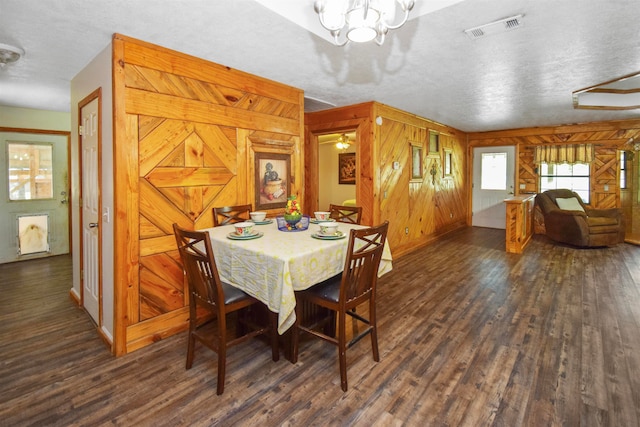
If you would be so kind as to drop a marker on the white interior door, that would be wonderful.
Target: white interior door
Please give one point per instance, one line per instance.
(90, 210)
(493, 178)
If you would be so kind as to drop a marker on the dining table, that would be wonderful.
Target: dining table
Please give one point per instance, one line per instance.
(273, 264)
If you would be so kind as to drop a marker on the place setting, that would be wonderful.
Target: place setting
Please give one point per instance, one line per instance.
(244, 231)
(322, 216)
(328, 231)
(260, 218)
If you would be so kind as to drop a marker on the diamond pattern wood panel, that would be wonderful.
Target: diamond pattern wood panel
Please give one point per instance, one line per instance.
(182, 146)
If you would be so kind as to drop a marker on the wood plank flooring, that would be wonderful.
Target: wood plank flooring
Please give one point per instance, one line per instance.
(469, 336)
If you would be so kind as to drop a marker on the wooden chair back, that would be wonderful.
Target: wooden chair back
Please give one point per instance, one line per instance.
(231, 214)
(199, 266)
(349, 214)
(360, 273)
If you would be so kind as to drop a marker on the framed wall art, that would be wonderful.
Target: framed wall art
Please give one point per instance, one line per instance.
(416, 162)
(347, 168)
(273, 177)
(448, 160)
(434, 143)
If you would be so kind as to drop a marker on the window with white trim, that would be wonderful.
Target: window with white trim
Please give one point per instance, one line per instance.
(575, 177)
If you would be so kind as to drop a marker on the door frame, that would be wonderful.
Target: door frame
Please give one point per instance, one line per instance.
(96, 94)
(68, 183)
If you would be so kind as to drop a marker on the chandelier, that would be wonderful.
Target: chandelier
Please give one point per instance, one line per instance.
(362, 20)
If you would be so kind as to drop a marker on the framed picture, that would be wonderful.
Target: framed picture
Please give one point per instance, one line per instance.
(347, 168)
(416, 162)
(448, 156)
(273, 177)
(434, 143)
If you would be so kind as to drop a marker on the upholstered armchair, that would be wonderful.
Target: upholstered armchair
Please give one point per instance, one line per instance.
(568, 220)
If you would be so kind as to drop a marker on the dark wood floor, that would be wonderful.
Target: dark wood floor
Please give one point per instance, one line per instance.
(469, 336)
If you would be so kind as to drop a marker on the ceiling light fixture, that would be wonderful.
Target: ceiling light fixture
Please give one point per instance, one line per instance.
(9, 54)
(343, 142)
(362, 20)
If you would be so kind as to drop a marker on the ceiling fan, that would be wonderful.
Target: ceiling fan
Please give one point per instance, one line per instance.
(342, 141)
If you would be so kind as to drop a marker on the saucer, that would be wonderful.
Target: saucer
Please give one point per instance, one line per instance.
(266, 221)
(318, 221)
(254, 235)
(337, 236)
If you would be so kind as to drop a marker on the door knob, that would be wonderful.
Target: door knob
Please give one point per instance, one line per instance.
(93, 224)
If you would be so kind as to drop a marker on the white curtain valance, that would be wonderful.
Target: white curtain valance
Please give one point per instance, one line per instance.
(569, 153)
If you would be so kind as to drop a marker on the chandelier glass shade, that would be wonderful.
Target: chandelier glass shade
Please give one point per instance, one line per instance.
(362, 20)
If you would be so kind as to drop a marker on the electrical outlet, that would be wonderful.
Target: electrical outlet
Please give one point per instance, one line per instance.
(406, 230)
(450, 215)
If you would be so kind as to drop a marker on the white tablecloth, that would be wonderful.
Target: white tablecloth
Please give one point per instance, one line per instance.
(275, 265)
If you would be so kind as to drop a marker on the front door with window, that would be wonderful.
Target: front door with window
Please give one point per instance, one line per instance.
(493, 178)
(33, 195)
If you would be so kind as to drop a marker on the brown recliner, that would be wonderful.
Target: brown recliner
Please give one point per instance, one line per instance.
(593, 227)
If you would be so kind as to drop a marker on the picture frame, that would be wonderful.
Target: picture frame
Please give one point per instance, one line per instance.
(417, 163)
(272, 180)
(347, 168)
(447, 169)
(434, 143)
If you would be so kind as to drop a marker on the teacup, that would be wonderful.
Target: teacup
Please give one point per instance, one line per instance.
(329, 229)
(322, 216)
(258, 216)
(243, 228)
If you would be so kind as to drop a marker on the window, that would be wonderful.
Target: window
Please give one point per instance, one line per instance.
(624, 158)
(30, 167)
(494, 171)
(563, 175)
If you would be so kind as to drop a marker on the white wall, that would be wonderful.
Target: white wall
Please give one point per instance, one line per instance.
(27, 118)
(329, 191)
(97, 74)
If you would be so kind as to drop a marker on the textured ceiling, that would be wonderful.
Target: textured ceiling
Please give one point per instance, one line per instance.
(429, 67)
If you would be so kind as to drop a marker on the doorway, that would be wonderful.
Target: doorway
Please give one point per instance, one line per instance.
(336, 166)
(34, 197)
(493, 181)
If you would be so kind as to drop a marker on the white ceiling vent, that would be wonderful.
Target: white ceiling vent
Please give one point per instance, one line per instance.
(495, 27)
(315, 104)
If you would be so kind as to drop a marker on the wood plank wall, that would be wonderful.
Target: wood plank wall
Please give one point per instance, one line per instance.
(186, 132)
(427, 207)
(607, 138)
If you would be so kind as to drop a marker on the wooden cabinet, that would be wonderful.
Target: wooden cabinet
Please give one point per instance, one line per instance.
(519, 222)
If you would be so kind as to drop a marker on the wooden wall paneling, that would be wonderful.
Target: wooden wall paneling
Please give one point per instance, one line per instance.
(527, 170)
(181, 64)
(188, 127)
(604, 183)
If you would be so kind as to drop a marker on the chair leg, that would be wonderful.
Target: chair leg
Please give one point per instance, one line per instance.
(342, 349)
(222, 363)
(273, 320)
(374, 331)
(191, 343)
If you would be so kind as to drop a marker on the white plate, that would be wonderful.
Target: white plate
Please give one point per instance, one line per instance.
(266, 221)
(254, 235)
(337, 236)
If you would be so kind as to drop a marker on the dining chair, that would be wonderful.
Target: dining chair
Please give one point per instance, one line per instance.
(218, 299)
(349, 214)
(341, 294)
(231, 214)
